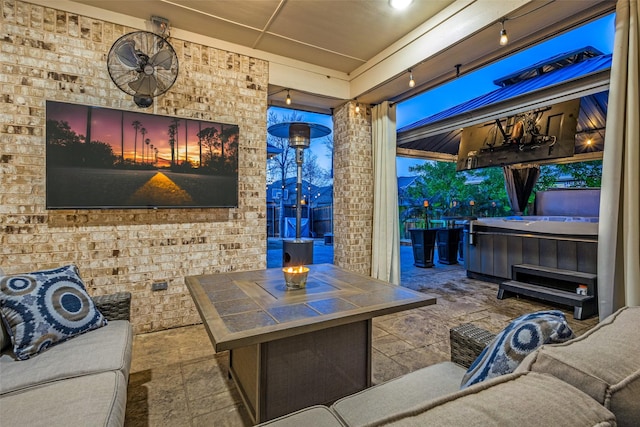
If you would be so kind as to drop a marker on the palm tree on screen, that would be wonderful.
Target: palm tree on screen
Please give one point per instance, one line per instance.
(136, 125)
(122, 137)
(175, 122)
(172, 142)
(200, 143)
(143, 131)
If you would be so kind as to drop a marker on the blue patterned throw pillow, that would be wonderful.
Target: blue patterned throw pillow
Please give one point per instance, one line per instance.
(44, 308)
(515, 342)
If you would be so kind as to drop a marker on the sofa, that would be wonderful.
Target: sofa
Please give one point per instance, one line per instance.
(81, 381)
(591, 380)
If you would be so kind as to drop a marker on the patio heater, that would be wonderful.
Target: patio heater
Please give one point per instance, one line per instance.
(299, 251)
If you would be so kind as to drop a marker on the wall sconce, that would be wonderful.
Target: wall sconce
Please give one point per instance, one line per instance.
(357, 106)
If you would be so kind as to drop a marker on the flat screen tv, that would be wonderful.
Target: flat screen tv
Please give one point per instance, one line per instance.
(536, 135)
(101, 158)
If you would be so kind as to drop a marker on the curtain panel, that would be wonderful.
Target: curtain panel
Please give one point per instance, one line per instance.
(619, 226)
(385, 262)
(519, 183)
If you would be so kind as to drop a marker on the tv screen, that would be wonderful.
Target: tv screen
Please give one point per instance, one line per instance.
(101, 158)
(544, 133)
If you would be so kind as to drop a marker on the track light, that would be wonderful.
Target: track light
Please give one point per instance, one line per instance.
(504, 39)
(288, 100)
(412, 82)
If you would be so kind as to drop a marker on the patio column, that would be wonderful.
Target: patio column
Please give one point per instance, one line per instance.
(352, 188)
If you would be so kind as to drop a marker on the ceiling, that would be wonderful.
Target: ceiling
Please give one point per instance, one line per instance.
(364, 45)
(339, 35)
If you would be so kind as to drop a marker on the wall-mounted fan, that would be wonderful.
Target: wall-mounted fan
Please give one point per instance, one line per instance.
(143, 64)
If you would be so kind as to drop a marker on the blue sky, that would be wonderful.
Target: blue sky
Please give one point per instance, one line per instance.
(598, 34)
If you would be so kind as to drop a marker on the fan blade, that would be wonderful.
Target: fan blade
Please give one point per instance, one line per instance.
(163, 59)
(145, 85)
(126, 53)
(162, 87)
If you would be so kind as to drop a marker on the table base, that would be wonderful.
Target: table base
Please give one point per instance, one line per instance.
(284, 375)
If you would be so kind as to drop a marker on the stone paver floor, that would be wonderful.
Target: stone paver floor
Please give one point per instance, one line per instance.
(178, 380)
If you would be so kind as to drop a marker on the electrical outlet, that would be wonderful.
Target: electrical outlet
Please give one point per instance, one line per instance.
(159, 286)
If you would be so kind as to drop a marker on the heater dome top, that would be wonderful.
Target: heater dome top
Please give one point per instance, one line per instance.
(282, 130)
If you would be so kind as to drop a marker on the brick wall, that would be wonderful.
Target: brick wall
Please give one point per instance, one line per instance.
(47, 54)
(353, 188)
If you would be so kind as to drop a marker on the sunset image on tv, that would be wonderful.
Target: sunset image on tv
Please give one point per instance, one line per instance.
(105, 158)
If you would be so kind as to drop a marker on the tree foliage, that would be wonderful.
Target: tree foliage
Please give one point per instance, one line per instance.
(67, 148)
(583, 174)
(312, 172)
(441, 186)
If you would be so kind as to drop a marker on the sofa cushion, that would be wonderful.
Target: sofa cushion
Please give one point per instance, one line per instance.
(103, 349)
(509, 347)
(92, 400)
(316, 416)
(518, 399)
(44, 308)
(399, 394)
(5, 339)
(604, 363)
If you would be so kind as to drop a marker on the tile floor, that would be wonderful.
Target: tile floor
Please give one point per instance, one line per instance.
(178, 380)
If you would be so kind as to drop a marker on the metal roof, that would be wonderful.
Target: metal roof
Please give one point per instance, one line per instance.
(547, 65)
(555, 77)
(589, 132)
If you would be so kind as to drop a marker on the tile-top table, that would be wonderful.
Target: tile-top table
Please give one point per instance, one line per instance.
(290, 349)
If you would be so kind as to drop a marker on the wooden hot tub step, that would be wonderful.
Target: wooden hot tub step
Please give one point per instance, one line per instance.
(553, 273)
(584, 305)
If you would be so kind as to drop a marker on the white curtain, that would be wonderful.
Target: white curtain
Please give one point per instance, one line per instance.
(385, 257)
(619, 229)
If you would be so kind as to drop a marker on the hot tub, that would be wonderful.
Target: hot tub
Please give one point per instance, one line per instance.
(560, 225)
(494, 245)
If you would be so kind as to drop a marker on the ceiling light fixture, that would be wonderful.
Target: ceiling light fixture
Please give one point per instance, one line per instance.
(412, 82)
(400, 4)
(288, 100)
(357, 106)
(504, 39)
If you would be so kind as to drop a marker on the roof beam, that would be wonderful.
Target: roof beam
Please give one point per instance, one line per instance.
(426, 155)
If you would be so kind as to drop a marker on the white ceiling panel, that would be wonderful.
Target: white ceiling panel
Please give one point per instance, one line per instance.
(351, 39)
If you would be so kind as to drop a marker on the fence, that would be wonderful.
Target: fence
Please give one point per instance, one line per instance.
(320, 218)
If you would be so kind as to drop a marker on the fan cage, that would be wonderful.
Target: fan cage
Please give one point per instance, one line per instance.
(150, 44)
